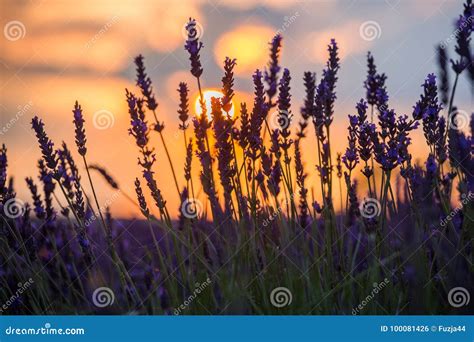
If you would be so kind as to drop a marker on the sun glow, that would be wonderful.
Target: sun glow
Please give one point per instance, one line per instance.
(208, 94)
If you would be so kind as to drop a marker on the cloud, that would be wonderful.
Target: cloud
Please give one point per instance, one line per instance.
(173, 81)
(247, 43)
(97, 35)
(348, 37)
(250, 4)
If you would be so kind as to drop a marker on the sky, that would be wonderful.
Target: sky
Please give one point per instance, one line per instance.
(56, 52)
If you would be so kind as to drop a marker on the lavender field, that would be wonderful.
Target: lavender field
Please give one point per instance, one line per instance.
(255, 234)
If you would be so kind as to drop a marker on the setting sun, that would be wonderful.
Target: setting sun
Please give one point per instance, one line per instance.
(208, 95)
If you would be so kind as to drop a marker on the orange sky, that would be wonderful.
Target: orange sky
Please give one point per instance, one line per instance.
(84, 52)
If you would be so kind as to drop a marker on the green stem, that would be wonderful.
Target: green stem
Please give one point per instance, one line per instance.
(171, 163)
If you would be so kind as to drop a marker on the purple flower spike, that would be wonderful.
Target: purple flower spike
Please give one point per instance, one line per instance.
(244, 133)
(350, 158)
(222, 133)
(46, 145)
(374, 85)
(308, 109)
(257, 116)
(139, 129)
(144, 83)
(38, 204)
(228, 84)
(284, 109)
(141, 199)
(79, 129)
(183, 111)
(427, 109)
(193, 46)
(271, 75)
(3, 172)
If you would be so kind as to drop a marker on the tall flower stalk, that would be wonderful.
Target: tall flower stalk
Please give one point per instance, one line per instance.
(144, 83)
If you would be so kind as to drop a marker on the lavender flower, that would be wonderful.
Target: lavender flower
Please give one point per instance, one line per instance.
(244, 133)
(464, 28)
(3, 173)
(48, 188)
(139, 128)
(318, 117)
(350, 158)
(222, 133)
(65, 178)
(403, 141)
(155, 191)
(275, 143)
(78, 203)
(46, 145)
(267, 162)
(427, 109)
(307, 111)
(376, 93)
(325, 168)
(271, 75)
(325, 93)
(108, 178)
(274, 179)
(392, 149)
(431, 167)
(144, 83)
(183, 110)
(228, 84)
(460, 151)
(365, 148)
(300, 181)
(193, 46)
(257, 117)
(79, 129)
(39, 209)
(188, 162)
(330, 78)
(364, 133)
(353, 201)
(284, 111)
(139, 131)
(182, 219)
(443, 75)
(440, 147)
(201, 125)
(141, 199)
(339, 165)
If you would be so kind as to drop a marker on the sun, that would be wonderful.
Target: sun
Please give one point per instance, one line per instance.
(208, 94)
